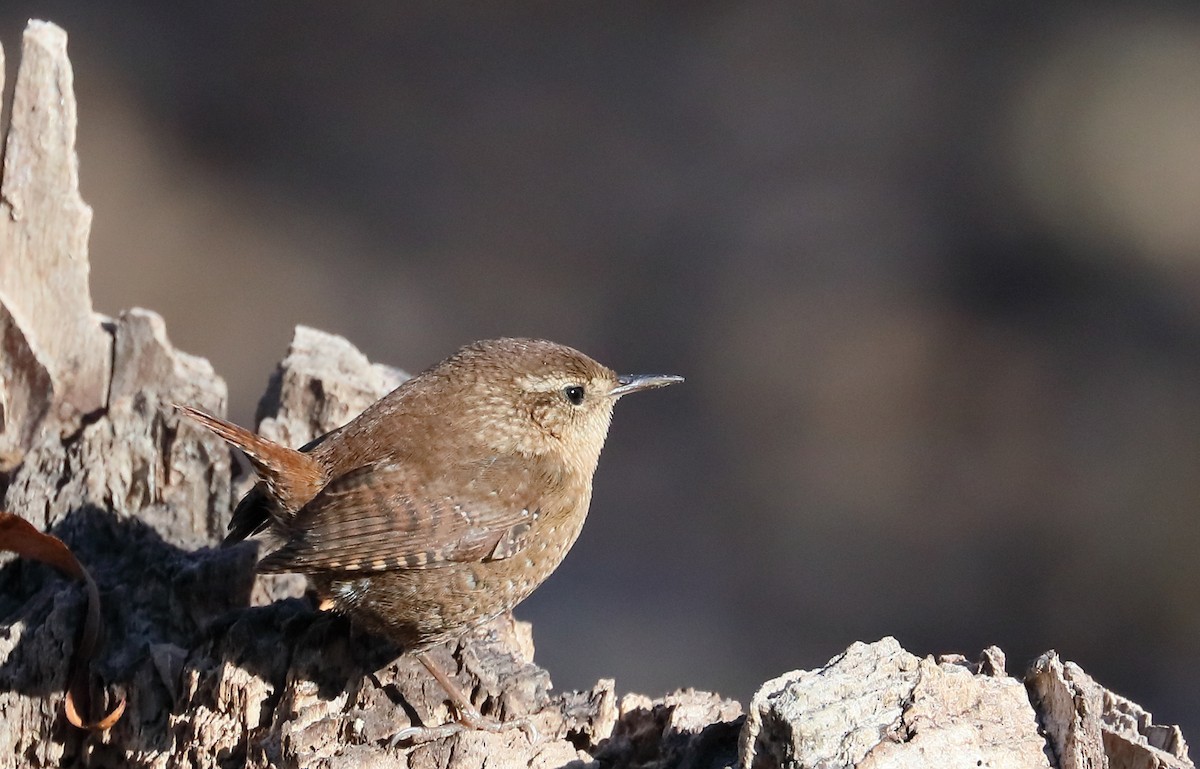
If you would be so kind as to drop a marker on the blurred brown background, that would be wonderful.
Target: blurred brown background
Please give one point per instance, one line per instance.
(932, 270)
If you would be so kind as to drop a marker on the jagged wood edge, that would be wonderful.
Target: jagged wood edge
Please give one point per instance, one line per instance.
(91, 450)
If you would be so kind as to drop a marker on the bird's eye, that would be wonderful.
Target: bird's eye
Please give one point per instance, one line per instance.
(574, 394)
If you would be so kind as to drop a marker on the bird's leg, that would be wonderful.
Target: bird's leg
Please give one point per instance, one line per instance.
(469, 716)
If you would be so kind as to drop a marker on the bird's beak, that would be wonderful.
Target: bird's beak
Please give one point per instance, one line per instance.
(631, 383)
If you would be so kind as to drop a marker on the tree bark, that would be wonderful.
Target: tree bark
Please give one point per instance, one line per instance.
(220, 667)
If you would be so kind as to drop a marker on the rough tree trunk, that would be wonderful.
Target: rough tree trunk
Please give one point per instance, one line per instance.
(220, 668)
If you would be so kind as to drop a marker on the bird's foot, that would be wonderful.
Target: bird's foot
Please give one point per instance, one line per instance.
(469, 717)
(468, 720)
(415, 735)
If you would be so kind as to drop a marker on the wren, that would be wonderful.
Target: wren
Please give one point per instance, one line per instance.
(446, 502)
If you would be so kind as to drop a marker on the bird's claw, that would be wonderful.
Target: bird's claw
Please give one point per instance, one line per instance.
(468, 720)
(474, 720)
(415, 735)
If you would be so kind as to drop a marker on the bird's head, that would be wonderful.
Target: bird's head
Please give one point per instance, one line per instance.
(534, 397)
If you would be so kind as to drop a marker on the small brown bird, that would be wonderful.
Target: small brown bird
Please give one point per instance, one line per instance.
(446, 502)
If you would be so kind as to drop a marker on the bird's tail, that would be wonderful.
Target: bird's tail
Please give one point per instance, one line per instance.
(292, 477)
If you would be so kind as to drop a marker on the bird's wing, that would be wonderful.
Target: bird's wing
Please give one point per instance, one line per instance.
(383, 517)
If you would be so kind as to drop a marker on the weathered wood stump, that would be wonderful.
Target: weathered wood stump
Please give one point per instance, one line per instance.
(222, 668)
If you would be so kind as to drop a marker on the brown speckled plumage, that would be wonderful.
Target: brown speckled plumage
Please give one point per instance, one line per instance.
(449, 500)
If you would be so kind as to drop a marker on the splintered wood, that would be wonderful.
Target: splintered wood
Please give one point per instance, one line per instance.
(218, 667)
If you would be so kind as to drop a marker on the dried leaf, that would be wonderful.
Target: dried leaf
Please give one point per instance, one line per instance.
(19, 536)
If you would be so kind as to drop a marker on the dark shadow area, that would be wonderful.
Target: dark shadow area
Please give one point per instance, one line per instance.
(166, 610)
